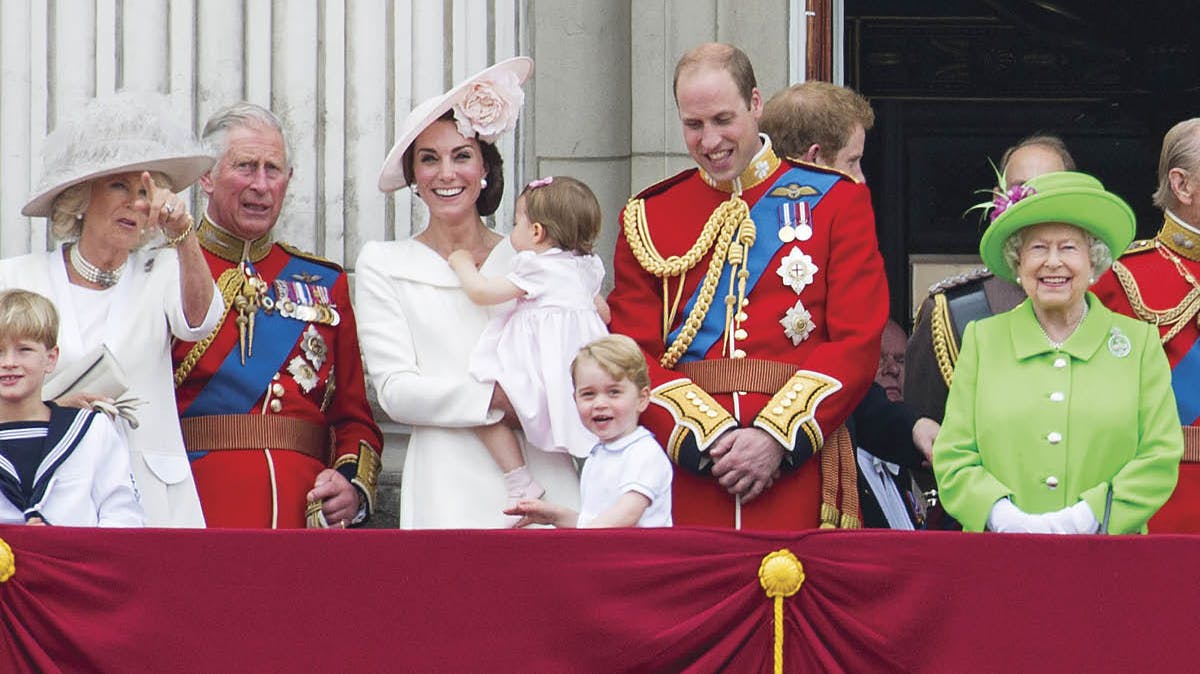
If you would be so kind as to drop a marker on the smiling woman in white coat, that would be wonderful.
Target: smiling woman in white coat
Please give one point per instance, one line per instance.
(111, 174)
(416, 325)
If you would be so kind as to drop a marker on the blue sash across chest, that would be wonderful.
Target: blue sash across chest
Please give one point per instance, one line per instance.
(234, 388)
(765, 214)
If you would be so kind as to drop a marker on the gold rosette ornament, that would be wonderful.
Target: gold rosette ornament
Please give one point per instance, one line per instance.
(8, 563)
(781, 576)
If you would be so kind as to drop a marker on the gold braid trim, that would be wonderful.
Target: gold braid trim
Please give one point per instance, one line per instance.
(718, 232)
(945, 347)
(693, 408)
(1177, 316)
(367, 475)
(793, 409)
(229, 283)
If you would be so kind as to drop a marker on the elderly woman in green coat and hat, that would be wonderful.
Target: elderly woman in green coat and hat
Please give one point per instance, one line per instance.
(1061, 417)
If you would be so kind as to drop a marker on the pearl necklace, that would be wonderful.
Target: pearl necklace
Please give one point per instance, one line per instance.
(1058, 345)
(93, 274)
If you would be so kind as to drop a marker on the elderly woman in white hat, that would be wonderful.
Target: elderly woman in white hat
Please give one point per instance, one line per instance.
(1061, 417)
(109, 182)
(416, 325)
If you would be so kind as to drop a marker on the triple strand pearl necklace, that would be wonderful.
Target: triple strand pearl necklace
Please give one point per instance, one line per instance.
(93, 274)
(1058, 345)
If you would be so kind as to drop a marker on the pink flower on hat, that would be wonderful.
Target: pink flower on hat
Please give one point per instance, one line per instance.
(1002, 201)
(489, 108)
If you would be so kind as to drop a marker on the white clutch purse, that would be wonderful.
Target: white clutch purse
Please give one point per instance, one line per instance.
(97, 372)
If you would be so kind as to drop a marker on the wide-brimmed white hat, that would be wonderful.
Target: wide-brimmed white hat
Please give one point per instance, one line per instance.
(124, 132)
(485, 106)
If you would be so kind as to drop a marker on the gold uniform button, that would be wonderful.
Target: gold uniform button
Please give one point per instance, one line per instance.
(702, 407)
(275, 405)
(777, 410)
(275, 377)
(786, 402)
(690, 395)
(739, 333)
(712, 414)
(742, 316)
(277, 389)
(739, 353)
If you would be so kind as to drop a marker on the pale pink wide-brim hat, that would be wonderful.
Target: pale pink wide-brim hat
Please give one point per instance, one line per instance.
(499, 84)
(119, 133)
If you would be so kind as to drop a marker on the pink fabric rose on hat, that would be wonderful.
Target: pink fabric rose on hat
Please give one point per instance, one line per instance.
(489, 107)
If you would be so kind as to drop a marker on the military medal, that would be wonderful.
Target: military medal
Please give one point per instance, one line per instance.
(787, 232)
(1118, 343)
(314, 347)
(796, 269)
(303, 373)
(794, 218)
(305, 301)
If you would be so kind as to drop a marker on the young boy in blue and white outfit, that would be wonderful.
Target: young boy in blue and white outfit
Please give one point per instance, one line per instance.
(626, 480)
(58, 465)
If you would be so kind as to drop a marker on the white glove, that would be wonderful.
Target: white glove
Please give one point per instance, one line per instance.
(1076, 519)
(1006, 517)
(123, 408)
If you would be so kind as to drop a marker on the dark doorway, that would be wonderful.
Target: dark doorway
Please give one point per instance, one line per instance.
(955, 82)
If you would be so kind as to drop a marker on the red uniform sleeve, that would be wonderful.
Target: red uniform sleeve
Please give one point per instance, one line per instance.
(357, 440)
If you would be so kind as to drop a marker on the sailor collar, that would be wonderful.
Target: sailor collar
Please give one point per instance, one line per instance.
(761, 167)
(228, 247)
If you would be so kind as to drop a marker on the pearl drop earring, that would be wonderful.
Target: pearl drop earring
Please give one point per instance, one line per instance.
(483, 183)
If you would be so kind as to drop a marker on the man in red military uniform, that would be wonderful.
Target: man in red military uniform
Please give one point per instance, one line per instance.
(756, 289)
(273, 403)
(1156, 281)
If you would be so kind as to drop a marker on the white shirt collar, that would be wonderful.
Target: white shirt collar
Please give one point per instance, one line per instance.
(624, 441)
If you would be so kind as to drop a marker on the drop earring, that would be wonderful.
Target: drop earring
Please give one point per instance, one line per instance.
(483, 183)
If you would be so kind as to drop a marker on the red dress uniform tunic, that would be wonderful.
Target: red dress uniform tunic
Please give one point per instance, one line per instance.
(1156, 281)
(318, 379)
(815, 306)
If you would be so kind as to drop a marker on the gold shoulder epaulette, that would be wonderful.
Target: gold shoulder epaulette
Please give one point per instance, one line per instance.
(978, 274)
(1139, 246)
(312, 257)
(820, 168)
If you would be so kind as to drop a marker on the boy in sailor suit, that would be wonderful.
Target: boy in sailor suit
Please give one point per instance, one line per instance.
(58, 465)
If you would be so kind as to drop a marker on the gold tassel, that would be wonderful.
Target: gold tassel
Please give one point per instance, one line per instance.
(8, 562)
(781, 576)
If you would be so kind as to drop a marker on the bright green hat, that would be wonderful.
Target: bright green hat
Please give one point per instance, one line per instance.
(1063, 196)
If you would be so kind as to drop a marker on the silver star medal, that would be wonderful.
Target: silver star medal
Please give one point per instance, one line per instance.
(1118, 343)
(314, 346)
(303, 373)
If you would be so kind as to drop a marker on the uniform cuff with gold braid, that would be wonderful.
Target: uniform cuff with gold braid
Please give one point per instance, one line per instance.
(694, 409)
(790, 416)
(362, 470)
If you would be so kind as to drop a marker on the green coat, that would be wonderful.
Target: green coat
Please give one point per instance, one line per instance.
(1049, 427)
